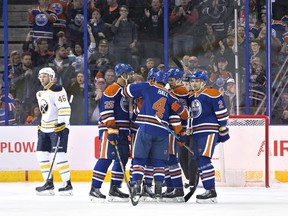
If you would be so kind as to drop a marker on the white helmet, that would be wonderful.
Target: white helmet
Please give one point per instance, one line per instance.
(49, 71)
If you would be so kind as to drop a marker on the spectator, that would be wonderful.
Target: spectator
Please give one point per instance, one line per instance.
(230, 96)
(14, 61)
(11, 108)
(101, 59)
(40, 52)
(125, 38)
(111, 12)
(99, 29)
(109, 76)
(100, 85)
(60, 7)
(65, 72)
(35, 116)
(143, 71)
(182, 20)
(209, 42)
(19, 114)
(76, 94)
(256, 51)
(25, 82)
(41, 18)
(152, 31)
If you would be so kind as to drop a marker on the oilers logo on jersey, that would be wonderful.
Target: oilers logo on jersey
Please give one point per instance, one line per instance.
(43, 106)
(79, 19)
(58, 8)
(196, 108)
(124, 103)
(41, 19)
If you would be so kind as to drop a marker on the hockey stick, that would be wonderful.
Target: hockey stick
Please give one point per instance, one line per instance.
(177, 62)
(56, 150)
(124, 173)
(172, 133)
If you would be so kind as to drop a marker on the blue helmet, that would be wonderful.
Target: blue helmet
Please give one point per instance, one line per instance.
(175, 73)
(161, 77)
(123, 68)
(152, 73)
(199, 75)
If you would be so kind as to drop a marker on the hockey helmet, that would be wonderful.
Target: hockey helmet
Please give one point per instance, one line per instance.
(152, 73)
(161, 77)
(175, 73)
(123, 68)
(49, 71)
(199, 75)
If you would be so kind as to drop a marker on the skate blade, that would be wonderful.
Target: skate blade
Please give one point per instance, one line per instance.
(173, 200)
(147, 199)
(45, 193)
(96, 200)
(66, 193)
(117, 199)
(207, 201)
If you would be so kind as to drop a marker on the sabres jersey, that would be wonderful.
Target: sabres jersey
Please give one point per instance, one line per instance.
(54, 106)
(208, 110)
(42, 25)
(156, 100)
(114, 109)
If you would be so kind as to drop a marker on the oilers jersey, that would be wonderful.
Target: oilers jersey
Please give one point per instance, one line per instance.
(54, 106)
(114, 109)
(208, 110)
(42, 25)
(156, 100)
(60, 7)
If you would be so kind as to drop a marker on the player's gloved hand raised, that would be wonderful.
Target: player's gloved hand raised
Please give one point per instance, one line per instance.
(223, 134)
(182, 138)
(113, 135)
(59, 129)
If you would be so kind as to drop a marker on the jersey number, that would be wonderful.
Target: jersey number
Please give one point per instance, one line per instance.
(159, 107)
(62, 98)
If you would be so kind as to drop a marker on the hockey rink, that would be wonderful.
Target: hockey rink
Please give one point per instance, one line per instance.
(20, 199)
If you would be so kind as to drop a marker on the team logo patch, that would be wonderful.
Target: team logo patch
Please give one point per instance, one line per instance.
(58, 8)
(43, 106)
(79, 19)
(196, 108)
(41, 19)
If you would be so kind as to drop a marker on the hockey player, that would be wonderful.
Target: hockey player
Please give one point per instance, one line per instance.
(152, 140)
(173, 174)
(113, 130)
(209, 127)
(55, 109)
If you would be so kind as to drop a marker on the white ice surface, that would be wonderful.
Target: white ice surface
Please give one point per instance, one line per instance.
(20, 199)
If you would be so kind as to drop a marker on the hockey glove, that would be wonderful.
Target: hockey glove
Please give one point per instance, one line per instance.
(113, 135)
(59, 129)
(182, 138)
(177, 107)
(223, 134)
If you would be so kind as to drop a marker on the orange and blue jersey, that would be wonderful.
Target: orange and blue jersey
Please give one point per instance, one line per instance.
(209, 111)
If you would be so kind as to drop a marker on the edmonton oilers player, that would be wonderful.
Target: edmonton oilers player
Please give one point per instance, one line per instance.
(209, 127)
(152, 140)
(114, 127)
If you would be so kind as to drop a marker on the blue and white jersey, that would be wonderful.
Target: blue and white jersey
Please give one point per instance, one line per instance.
(156, 100)
(209, 111)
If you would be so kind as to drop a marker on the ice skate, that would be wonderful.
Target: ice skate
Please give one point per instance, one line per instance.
(47, 189)
(147, 194)
(96, 195)
(115, 195)
(208, 197)
(177, 195)
(136, 192)
(158, 190)
(67, 189)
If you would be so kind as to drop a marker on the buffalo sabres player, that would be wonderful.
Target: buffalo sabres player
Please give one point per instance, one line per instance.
(114, 129)
(55, 109)
(210, 117)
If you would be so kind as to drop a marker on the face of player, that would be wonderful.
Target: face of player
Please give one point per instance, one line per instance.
(172, 82)
(197, 84)
(44, 79)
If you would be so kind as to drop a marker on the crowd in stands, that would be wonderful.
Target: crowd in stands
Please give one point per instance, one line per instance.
(201, 37)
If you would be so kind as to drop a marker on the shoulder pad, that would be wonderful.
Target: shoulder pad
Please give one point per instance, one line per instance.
(112, 89)
(56, 88)
(212, 92)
